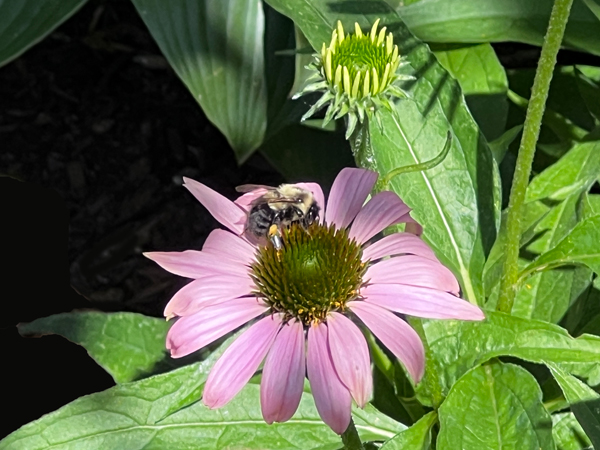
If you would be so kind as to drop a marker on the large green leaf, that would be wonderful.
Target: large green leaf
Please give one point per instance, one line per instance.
(567, 432)
(584, 401)
(580, 247)
(483, 82)
(457, 202)
(457, 346)
(24, 23)
(128, 346)
(216, 48)
(417, 437)
(137, 415)
(496, 21)
(495, 406)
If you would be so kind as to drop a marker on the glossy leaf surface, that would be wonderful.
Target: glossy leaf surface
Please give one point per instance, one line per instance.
(504, 411)
(26, 22)
(216, 48)
(417, 437)
(568, 434)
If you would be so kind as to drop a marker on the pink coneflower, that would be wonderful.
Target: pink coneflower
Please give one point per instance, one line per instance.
(322, 281)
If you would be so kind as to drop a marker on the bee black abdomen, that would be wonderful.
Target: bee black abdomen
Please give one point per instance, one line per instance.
(260, 219)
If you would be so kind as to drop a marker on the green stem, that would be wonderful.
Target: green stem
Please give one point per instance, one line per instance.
(351, 439)
(432, 379)
(381, 360)
(531, 131)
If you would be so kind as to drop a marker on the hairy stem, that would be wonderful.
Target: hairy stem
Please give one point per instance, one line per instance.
(351, 439)
(531, 131)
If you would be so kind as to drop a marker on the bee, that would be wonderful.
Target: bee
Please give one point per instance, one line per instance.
(277, 208)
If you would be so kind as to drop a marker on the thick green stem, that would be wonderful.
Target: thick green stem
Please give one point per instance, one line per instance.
(351, 439)
(531, 131)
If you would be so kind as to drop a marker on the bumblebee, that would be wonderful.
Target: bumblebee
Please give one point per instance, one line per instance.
(277, 208)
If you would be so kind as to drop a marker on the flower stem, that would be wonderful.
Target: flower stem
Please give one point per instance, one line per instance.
(531, 131)
(351, 439)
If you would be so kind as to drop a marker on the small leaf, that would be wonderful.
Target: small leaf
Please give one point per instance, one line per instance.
(580, 247)
(26, 22)
(499, 146)
(128, 346)
(417, 437)
(216, 48)
(567, 432)
(505, 411)
(585, 402)
(457, 346)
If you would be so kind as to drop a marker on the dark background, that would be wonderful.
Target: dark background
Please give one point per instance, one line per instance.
(96, 132)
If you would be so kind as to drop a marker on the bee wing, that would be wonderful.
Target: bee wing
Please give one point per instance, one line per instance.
(244, 188)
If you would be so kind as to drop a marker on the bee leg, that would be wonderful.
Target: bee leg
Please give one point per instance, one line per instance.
(275, 237)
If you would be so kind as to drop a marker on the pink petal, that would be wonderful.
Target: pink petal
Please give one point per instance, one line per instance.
(383, 210)
(348, 193)
(207, 291)
(397, 244)
(332, 398)
(191, 333)
(225, 244)
(245, 201)
(421, 302)
(240, 361)
(315, 188)
(350, 356)
(414, 271)
(395, 334)
(222, 209)
(283, 374)
(196, 264)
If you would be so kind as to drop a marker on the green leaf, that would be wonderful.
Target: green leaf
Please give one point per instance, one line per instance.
(495, 406)
(575, 172)
(417, 437)
(135, 415)
(499, 146)
(26, 22)
(591, 205)
(548, 295)
(496, 21)
(128, 346)
(567, 432)
(585, 402)
(216, 48)
(457, 201)
(457, 346)
(580, 247)
(483, 82)
(584, 315)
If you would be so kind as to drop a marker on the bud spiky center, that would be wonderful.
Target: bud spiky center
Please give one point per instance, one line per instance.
(360, 64)
(316, 271)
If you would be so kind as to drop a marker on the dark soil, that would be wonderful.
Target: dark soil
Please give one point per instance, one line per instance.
(99, 131)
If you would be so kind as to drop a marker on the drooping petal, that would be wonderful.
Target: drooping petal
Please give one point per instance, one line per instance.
(223, 243)
(350, 356)
(383, 210)
(283, 374)
(398, 244)
(191, 333)
(421, 302)
(332, 398)
(315, 188)
(196, 264)
(396, 335)
(239, 362)
(414, 271)
(348, 194)
(207, 291)
(224, 210)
